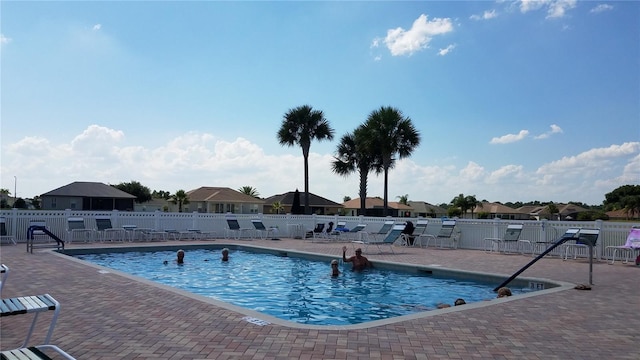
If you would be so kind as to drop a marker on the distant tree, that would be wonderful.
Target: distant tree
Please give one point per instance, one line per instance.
(592, 215)
(354, 154)
(472, 202)
(300, 126)
(4, 204)
(160, 194)
(5, 192)
(20, 203)
(553, 209)
(277, 207)
(250, 190)
(461, 203)
(36, 202)
(141, 192)
(483, 215)
(454, 211)
(390, 134)
(346, 198)
(296, 208)
(181, 198)
(404, 199)
(626, 197)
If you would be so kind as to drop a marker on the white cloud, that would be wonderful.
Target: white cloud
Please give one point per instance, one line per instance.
(509, 138)
(4, 39)
(555, 8)
(487, 15)
(601, 8)
(195, 159)
(555, 129)
(445, 51)
(405, 42)
(97, 27)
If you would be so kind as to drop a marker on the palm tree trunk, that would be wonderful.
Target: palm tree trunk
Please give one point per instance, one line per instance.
(305, 153)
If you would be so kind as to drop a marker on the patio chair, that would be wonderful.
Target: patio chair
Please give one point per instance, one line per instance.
(445, 234)
(629, 248)
(262, 231)
(4, 235)
(4, 271)
(585, 239)
(233, 228)
(414, 237)
(510, 238)
(105, 231)
(392, 236)
(76, 229)
(32, 304)
(34, 353)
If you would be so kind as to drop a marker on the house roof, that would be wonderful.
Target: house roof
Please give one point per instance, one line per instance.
(89, 189)
(221, 195)
(286, 199)
(495, 208)
(425, 207)
(374, 202)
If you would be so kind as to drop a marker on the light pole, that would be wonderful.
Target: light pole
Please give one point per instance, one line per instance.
(15, 190)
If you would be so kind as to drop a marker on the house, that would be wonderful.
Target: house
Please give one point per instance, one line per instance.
(220, 200)
(82, 195)
(565, 212)
(426, 210)
(499, 211)
(155, 204)
(318, 204)
(374, 206)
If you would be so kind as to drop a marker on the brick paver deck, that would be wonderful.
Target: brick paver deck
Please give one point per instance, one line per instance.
(108, 316)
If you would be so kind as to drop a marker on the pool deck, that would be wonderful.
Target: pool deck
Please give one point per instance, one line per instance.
(108, 316)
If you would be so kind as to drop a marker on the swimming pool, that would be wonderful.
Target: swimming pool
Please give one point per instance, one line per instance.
(298, 289)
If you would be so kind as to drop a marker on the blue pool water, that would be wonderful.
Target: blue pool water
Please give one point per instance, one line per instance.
(297, 289)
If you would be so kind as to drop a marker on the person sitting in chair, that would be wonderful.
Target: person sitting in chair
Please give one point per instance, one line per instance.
(408, 232)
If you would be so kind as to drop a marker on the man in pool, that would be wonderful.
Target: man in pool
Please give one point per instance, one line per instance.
(225, 254)
(358, 262)
(180, 257)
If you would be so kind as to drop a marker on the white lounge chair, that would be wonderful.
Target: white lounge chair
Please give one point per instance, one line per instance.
(382, 232)
(262, 231)
(585, 239)
(629, 248)
(445, 234)
(233, 228)
(4, 235)
(415, 237)
(392, 236)
(510, 238)
(4, 272)
(105, 231)
(77, 230)
(34, 353)
(32, 304)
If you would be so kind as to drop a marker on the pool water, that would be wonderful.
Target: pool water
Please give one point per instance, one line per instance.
(297, 289)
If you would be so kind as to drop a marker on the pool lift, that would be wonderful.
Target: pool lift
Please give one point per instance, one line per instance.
(570, 234)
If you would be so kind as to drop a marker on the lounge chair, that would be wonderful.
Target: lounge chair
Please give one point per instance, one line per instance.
(510, 238)
(4, 235)
(629, 248)
(233, 228)
(445, 234)
(262, 231)
(105, 231)
(34, 353)
(381, 234)
(585, 238)
(77, 230)
(32, 304)
(392, 236)
(4, 271)
(317, 231)
(356, 232)
(415, 237)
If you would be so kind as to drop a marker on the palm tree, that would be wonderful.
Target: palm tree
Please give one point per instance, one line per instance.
(180, 198)
(353, 155)
(250, 190)
(461, 203)
(403, 199)
(277, 207)
(300, 126)
(390, 133)
(472, 202)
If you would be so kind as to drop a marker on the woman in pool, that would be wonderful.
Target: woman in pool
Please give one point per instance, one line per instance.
(357, 261)
(335, 271)
(504, 292)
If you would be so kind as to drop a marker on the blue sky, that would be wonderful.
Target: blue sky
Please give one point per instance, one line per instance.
(514, 100)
